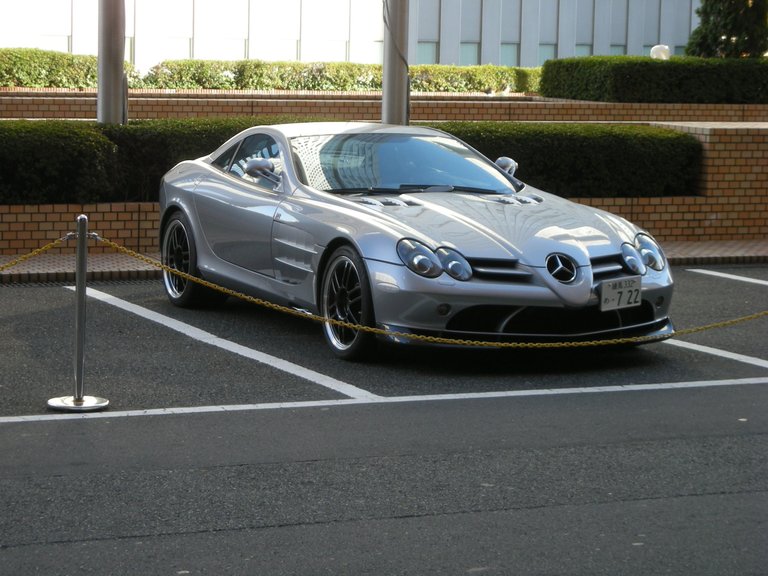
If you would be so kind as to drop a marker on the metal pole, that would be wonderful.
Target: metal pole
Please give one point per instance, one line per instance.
(395, 85)
(110, 101)
(79, 402)
(81, 269)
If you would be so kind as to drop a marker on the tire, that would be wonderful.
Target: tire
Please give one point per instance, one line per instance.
(178, 252)
(345, 295)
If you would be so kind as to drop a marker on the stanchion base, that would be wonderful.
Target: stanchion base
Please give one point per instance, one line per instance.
(84, 404)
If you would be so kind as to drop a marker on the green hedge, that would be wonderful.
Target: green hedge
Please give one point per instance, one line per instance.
(33, 68)
(147, 149)
(592, 160)
(55, 162)
(335, 76)
(58, 162)
(639, 79)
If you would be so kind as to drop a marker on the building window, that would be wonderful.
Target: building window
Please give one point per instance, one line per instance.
(470, 54)
(618, 50)
(583, 50)
(547, 52)
(426, 52)
(510, 55)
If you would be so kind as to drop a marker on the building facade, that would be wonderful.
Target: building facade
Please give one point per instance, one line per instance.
(463, 32)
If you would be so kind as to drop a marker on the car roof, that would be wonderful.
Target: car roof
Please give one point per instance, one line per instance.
(299, 129)
(332, 128)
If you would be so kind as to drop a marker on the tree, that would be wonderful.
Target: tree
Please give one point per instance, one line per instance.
(730, 29)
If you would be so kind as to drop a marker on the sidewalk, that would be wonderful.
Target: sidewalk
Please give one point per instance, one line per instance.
(116, 266)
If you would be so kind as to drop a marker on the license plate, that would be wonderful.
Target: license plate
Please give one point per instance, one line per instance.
(616, 294)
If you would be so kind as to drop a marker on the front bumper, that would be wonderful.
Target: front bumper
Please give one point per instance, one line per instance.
(530, 311)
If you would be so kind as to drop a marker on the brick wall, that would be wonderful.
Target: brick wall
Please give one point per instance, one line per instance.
(142, 104)
(24, 228)
(734, 188)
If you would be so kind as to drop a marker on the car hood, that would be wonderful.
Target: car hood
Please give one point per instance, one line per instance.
(527, 226)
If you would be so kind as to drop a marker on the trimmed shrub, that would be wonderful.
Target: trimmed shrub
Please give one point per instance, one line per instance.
(147, 149)
(591, 160)
(488, 78)
(640, 79)
(54, 162)
(192, 75)
(81, 162)
(33, 68)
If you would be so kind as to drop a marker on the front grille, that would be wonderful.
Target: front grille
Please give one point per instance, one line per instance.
(540, 321)
(608, 268)
(498, 270)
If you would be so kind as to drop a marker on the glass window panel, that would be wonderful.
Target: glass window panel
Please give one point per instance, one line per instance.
(510, 55)
(547, 52)
(618, 50)
(470, 54)
(426, 53)
(583, 50)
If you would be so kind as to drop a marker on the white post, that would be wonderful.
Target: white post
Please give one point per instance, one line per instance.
(395, 85)
(112, 97)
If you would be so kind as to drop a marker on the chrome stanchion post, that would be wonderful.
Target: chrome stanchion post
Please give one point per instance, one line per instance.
(79, 402)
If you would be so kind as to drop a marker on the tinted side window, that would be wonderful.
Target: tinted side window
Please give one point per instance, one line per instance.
(257, 146)
(225, 159)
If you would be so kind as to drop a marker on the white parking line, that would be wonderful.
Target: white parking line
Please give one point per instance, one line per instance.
(729, 276)
(213, 340)
(721, 353)
(385, 400)
(358, 396)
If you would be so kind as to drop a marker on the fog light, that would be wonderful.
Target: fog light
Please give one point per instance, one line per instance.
(659, 301)
(443, 309)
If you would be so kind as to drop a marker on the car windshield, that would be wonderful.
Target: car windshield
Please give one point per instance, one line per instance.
(372, 163)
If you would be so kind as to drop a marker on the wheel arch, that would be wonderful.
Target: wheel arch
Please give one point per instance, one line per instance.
(166, 216)
(322, 265)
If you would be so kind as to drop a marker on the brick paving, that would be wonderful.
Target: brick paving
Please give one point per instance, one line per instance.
(117, 266)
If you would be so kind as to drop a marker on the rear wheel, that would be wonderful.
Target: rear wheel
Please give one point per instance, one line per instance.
(345, 296)
(179, 253)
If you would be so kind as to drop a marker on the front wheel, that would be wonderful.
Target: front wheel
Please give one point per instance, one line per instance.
(345, 296)
(179, 254)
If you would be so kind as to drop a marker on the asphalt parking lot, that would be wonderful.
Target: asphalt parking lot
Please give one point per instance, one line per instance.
(235, 444)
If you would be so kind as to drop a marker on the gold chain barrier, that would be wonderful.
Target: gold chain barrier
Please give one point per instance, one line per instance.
(420, 337)
(25, 257)
(381, 331)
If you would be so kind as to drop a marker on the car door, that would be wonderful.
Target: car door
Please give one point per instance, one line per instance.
(236, 210)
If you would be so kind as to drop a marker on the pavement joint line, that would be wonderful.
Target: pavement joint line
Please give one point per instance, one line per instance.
(381, 400)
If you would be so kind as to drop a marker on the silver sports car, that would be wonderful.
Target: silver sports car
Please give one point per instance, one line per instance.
(407, 229)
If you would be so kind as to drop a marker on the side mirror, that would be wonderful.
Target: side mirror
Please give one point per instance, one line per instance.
(257, 166)
(262, 168)
(507, 164)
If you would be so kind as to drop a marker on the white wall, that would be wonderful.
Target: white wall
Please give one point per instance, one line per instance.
(510, 32)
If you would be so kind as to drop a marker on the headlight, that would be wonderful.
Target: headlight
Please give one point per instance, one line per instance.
(419, 258)
(422, 260)
(650, 252)
(633, 259)
(454, 264)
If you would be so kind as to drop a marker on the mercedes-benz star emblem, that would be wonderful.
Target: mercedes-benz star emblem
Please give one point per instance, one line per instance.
(561, 267)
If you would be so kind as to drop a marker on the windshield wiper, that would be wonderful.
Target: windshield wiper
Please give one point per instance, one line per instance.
(403, 189)
(414, 188)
